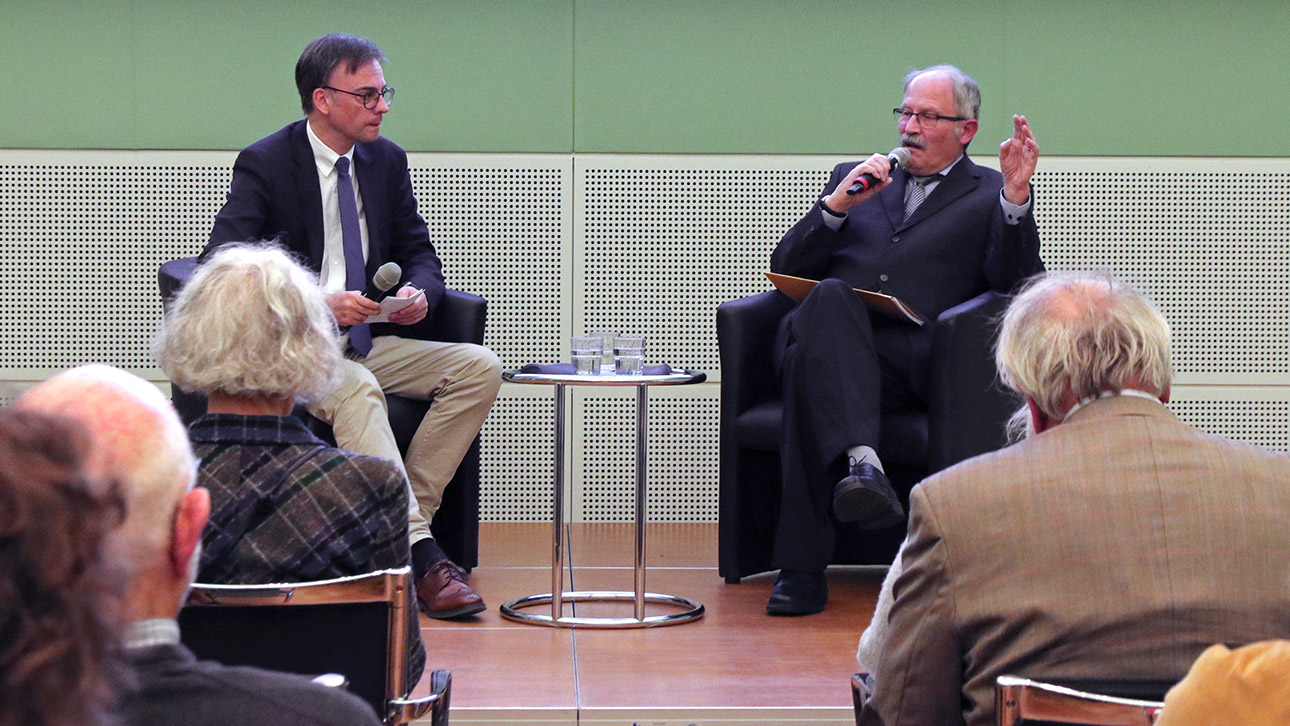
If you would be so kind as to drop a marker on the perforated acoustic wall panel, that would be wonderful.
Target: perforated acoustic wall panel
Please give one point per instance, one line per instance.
(81, 237)
(1209, 240)
(648, 244)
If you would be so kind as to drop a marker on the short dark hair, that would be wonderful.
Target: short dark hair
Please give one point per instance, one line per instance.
(323, 55)
(60, 614)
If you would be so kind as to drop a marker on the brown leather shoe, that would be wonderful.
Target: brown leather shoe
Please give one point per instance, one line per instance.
(444, 594)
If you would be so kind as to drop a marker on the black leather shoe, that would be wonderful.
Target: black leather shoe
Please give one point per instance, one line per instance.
(866, 498)
(798, 593)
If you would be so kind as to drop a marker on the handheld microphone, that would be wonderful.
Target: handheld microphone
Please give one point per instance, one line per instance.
(386, 277)
(898, 157)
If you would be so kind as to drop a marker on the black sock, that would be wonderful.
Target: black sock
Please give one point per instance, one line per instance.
(425, 553)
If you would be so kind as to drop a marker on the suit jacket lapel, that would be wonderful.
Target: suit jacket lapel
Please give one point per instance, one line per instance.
(308, 193)
(963, 178)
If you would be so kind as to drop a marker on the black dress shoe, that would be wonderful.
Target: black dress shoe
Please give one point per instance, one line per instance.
(866, 498)
(798, 593)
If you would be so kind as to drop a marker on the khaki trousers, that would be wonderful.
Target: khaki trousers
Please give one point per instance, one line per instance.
(461, 378)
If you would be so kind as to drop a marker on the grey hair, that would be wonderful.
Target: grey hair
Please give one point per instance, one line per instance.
(251, 322)
(967, 94)
(1068, 336)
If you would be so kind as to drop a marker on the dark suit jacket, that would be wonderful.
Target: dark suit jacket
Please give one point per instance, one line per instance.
(275, 194)
(173, 687)
(1120, 543)
(954, 247)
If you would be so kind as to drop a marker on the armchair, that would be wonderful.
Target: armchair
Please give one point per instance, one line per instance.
(459, 318)
(966, 414)
(357, 627)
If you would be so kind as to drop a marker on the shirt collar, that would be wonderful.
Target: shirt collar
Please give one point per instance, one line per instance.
(151, 632)
(1111, 394)
(324, 157)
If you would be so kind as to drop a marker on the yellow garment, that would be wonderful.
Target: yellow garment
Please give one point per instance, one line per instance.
(1249, 686)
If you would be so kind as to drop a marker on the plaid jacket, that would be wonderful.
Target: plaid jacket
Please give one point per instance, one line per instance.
(285, 507)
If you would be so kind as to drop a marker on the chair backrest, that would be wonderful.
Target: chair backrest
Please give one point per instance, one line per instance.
(355, 626)
(1022, 701)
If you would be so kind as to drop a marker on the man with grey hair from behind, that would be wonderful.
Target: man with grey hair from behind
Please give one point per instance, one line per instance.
(1113, 542)
(139, 442)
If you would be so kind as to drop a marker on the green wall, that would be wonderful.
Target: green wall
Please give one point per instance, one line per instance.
(1099, 77)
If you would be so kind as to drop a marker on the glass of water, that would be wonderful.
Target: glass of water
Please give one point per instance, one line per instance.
(606, 349)
(587, 351)
(629, 355)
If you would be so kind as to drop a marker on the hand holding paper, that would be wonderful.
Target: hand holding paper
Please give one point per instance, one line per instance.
(391, 305)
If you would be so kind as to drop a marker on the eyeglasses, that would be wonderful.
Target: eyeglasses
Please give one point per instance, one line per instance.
(369, 98)
(926, 119)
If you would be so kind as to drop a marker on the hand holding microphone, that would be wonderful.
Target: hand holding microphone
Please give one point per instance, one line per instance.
(898, 157)
(351, 307)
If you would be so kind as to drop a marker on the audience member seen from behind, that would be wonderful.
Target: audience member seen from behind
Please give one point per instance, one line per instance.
(1248, 686)
(1115, 541)
(252, 331)
(60, 617)
(140, 442)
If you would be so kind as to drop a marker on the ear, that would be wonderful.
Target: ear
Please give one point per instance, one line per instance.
(969, 131)
(1164, 397)
(194, 510)
(1038, 419)
(322, 101)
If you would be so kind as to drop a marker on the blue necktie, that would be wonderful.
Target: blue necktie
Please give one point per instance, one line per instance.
(360, 336)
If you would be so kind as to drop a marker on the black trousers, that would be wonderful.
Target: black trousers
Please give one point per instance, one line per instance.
(839, 369)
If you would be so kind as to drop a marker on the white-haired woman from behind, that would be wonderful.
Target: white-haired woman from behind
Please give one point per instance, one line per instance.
(252, 331)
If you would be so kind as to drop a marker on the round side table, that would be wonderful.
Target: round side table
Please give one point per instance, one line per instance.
(688, 609)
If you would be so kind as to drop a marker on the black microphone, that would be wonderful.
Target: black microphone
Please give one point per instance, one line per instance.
(898, 158)
(386, 277)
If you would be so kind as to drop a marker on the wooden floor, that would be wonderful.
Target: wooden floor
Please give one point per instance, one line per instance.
(736, 665)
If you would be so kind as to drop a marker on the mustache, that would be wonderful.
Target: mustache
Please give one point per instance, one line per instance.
(914, 141)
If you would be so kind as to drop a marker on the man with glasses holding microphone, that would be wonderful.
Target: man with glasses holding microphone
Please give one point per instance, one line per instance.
(935, 233)
(337, 195)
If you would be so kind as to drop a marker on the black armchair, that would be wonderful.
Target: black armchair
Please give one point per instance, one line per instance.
(459, 318)
(967, 411)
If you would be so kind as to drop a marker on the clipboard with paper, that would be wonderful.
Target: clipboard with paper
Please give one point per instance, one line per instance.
(798, 288)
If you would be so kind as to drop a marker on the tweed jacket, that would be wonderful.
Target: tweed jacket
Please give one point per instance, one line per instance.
(333, 514)
(1120, 543)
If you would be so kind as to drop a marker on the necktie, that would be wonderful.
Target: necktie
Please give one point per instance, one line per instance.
(918, 193)
(360, 336)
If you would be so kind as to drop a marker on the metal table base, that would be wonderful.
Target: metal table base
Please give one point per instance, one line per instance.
(513, 609)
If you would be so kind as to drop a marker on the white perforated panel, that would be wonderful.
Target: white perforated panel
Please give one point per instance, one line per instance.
(1209, 240)
(502, 227)
(681, 450)
(82, 237)
(517, 467)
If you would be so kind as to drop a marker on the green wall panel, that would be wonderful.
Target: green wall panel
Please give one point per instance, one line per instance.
(1096, 77)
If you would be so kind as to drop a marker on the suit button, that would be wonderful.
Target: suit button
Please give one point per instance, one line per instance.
(895, 239)
(883, 278)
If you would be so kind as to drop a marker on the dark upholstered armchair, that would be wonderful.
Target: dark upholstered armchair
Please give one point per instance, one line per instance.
(459, 318)
(968, 408)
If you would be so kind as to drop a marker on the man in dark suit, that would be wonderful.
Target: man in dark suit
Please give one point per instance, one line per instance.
(339, 197)
(934, 234)
(139, 442)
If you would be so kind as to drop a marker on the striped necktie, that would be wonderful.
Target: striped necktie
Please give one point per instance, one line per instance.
(360, 336)
(918, 193)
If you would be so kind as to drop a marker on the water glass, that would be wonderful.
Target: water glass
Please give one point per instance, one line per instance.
(629, 355)
(587, 351)
(606, 348)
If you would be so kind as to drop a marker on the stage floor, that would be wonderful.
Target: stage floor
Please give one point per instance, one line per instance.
(736, 665)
